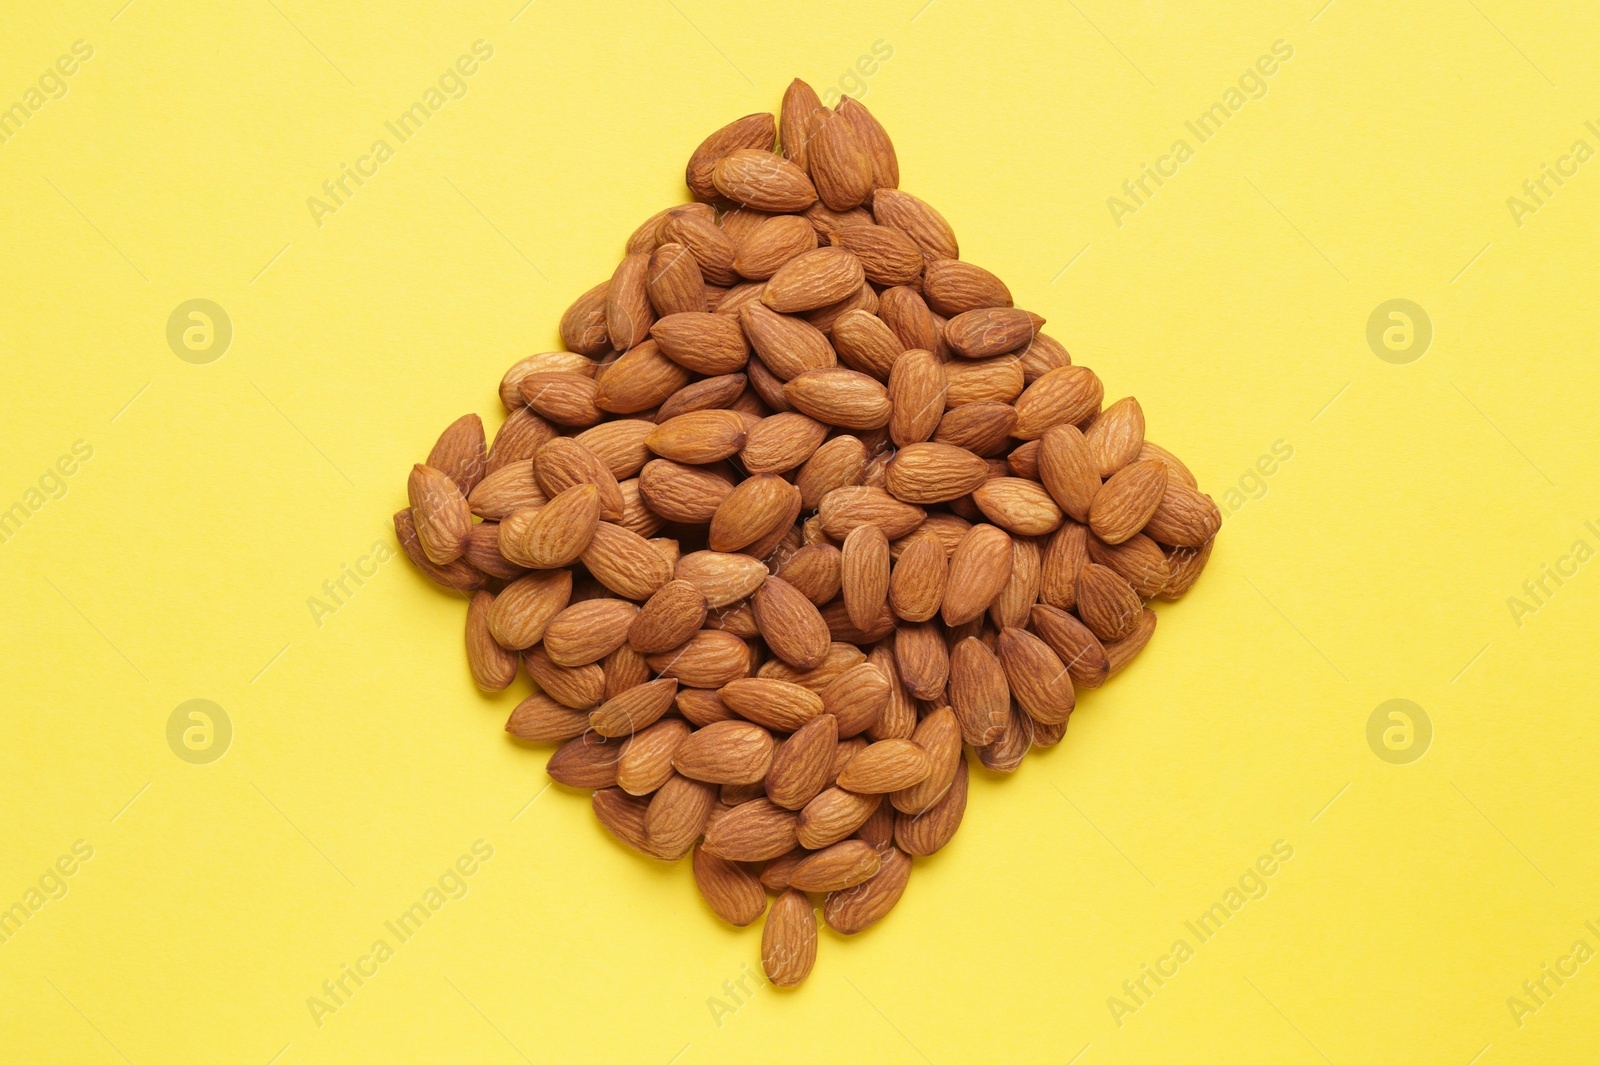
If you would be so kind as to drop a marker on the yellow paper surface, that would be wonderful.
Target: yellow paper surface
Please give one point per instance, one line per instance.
(1385, 517)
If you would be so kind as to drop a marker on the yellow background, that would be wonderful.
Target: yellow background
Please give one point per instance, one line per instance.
(1234, 305)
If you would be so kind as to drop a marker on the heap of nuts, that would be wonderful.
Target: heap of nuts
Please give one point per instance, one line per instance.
(805, 508)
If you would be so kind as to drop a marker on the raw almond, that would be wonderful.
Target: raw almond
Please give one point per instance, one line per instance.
(885, 766)
(751, 511)
(588, 631)
(628, 311)
(1020, 507)
(493, 667)
(789, 940)
(708, 659)
(990, 331)
(865, 574)
(837, 463)
(859, 908)
(833, 815)
(669, 617)
(925, 833)
(774, 242)
(730, 889)
(800, 767)
(782, 442)
(461, 452)
(917, 390)
(925, 226)
(540, 719)
(815, 279)
(1121, 652)
(646, 761)
(625, 562)
(954, 287)
(790, 623)
(1038, 679)
(842, 509)
(1107, 604)
(1060, 397)
(587, 761)
(563, 462)
(1184, 517)
(679, 492)
(579, 687)
(677, 816)
(635, 709)
(440, 513)
(864, 343)
(1126, 502)
(979, 569)
(725, 752)
(775, 704)
(840, 167)
(519, 614)
(763, 180)
(583, 326)
(1116, 436)
(703, 342)
(888, 256)
(939, 734)
(835, 868)
(558, 532)
(979, 692)
(753, 831)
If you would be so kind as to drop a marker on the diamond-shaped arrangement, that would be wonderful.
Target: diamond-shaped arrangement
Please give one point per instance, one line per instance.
(806, 508)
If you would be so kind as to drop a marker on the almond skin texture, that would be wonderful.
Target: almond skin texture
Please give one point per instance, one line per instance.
(917, 389)
(1117, 436)
(865, 574)
(774, 242)
(815, 279)
(440, 513)
(1068, 469)
(540, 719)
(493, 667)
(588, 631)
(679, 492)
(1126, 502)
(677, 815)
(625, 562)
(1078, 648)
(874, 140)
(560, 531)
(801, 766)
(669, 617)
(926, 833)
(781, 443)
(1065, 396)
(753, 831)
(925, 226)
(709, 659)
(990, 331)
(835, 868)
(703, 342)
(723, 578)
(699, 437)
(563, 462)
(839, 164)
(865, 344)
(646, 761)
(579, 687)
(954, 287)
(834, 815)
(982, 428)
(788, 345)
(751, 511)
(1119, 653)
(922, 659)
(857, 698)
(791, 624)
(934, 473)
(888, 256)
(519, 614)
(726, 752)
(940, 735)
(841, 397)
(628, 311)
(1107, 604)
(1186, 564)
(842, 509)
(732, 891)
(1039, 680)
(979, 693)
(979, 569)
(779, 705)
(917, 582)
(859, 908)
(583, 326)
(757, 132)
(1018, 506)
(587, 761)
(885, 766)
(461, 453)
(673, 281)
(801, 112)
(789, 940)
(1184, 517)
(764, 181)
(1139, 561)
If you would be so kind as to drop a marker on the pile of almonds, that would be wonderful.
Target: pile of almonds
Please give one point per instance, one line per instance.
(805, 508)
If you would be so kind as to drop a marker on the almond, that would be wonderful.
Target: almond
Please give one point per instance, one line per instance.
(440, 513)
(843, 865)
(519, 614)
(713, 251)
(917, 582)
(845, 508)
(726, 752)
(885, 766)
(1018, 506)
(925, 833)
(703, 342)
(757, 132)
(1183, 517)
(1039, 680)
(583, 326)
(677, 816)
(838, 463)
(506, 491)
(1186, 564)
(982, 428)
(521, 435)
(1065, 396)
(673, 281)
(635, 709)
(990, 331)
(925, 226)
(628, 311)
(1064, 556)
(1138, 560)
(625, 562)
(864, 343)
(646, 761)
(669, 617)
(917, 390)
(642, 378)
(1107, 604)
(1126, 502)
(763, 180)
(782, 442)
(840, 168)
(774, 242)
(700, 708)
(939, 734)
(857, 698)
(954, 287)
(1068, 469)
(800, 767)
(623, 815)
(1044, 354)
(790, 623)
(699, 437)
(865, 574)
(1010, 608)
(752, 831)
(679, 492)
(710, 393)
(859, 908)
(862, 299)
(1116, 436)
(1120, 652)
(751, 511)
(788, 346)
(775, 704)
(730, 889)
(563, 462)
(587, 761)
(540, 719)
(482, 551)
(493, 667)
(588, 631)
(874, 139)
(922, 659)
(832, 816)
(1078, 648)
(560, 531)
(800, 114)
(979, 692)
(789, 940)
(979, 569)
(815, 279)
(721, 577)
(1005, 754)
(992, 380)
(709, 659)
(1176, 470)
(888, 256)
(461, 452)
(579, 687)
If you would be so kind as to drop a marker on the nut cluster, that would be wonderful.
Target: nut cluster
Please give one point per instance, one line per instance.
(805, 508)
